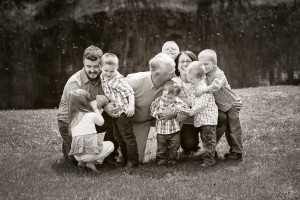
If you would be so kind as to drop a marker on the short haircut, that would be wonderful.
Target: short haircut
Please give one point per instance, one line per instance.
(92, 53)
(169, 42)
(210, 54)
(110, 59)
(197, 69)
(159, 59)
(172, 87)
(190, 54)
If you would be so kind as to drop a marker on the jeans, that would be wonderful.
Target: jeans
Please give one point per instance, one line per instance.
(167, 146)
(208, 137)
(123, 133)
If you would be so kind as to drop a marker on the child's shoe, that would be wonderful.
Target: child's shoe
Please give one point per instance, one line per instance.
(234, 156)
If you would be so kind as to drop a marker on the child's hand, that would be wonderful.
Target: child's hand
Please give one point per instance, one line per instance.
(101, 100)
(130, 110)
(201, 90)
(94, 105)
(238, 104)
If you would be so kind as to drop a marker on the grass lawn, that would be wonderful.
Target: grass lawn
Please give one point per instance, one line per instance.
(32, 165)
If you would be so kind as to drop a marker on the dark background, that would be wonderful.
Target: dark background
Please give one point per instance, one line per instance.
(42, 41)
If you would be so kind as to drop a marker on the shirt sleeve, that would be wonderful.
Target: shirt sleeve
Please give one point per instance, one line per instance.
(124, 88)
(69, 87)
(97, 119)
(218, 81)
(200, 103)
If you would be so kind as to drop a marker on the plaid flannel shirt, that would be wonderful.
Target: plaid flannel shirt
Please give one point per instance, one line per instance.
(117, 90)
(204, 108)
(172, 125)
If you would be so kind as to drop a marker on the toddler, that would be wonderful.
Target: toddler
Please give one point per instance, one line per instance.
(227, 101)
(204, 110)
(86, 147)
(168, 131)
(120, 93)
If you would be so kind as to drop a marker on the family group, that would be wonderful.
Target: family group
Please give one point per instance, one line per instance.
(182, 95)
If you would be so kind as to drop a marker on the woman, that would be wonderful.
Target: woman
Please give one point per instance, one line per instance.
(189, 137)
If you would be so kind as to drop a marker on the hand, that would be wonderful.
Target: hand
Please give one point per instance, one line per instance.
(201, 90)
(167, 114)
(111, 110)
(181, 117)
(130, 110)
(238, 104)
(94, 105)
(101, 100)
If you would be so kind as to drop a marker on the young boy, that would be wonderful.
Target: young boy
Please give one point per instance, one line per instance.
(168, 131)
(227, 101)
(170, 48)
(205, 111)
(119, 93)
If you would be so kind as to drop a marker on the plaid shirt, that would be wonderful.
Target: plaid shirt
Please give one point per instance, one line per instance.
(222, 91)
(172, 125)
(203, 108)
(117, 90)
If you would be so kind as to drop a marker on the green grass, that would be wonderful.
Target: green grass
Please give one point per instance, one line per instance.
(32, 166)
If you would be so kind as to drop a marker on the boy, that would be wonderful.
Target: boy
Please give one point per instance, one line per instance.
(168, 131)
(205, 111)
(119, 93)
(227, 101)
(170, 48)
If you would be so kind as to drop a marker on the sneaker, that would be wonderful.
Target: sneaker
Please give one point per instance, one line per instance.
(130, 167)
(234, 156)
(228, 153)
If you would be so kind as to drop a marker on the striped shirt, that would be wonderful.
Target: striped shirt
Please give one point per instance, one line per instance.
(116, 89)
(224, 96)
(172, 125)
(204, 108)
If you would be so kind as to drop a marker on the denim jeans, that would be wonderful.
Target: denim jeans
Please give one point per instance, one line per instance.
(123, 133)
(208, 137)
(167, 146)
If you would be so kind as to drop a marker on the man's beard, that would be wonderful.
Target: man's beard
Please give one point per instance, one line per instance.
(90, 78)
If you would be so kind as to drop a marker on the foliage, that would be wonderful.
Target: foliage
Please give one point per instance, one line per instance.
(32, 166)
(41, 42)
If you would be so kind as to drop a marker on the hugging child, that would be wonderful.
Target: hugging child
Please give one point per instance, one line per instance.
(87, 147)
(204, 110)
(120, 93)
(227, 101)
(168, 131)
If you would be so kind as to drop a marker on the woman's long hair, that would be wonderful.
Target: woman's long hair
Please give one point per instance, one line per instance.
(79, 104)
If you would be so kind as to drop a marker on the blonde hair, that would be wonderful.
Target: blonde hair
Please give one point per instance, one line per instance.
(110, 59)
(196, 69)
(172, 87)
(210, 54)
(79, 103)
(160, 60)
(167, 43)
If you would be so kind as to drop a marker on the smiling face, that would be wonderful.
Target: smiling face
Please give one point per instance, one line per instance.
(168, 97)
(108, 71)
(207, 62)
(183, 61)
(92, 69)
(171, 48)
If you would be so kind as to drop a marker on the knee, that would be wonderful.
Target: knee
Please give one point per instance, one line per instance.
(109, 145)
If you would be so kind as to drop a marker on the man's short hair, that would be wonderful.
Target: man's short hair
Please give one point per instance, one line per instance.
(197, 69)
(210, 54)
(110, 59)
(172, 87)
(160, 59)
(92, 53)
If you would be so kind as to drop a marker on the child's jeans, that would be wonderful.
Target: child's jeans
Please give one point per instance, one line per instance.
(233, 130)
(123, 133)
(208, 137)
(167, 146)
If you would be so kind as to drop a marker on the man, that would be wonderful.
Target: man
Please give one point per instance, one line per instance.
(147, 86)
(88, 79)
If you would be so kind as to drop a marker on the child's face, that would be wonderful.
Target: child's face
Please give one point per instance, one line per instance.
(168, 98)
(208, 64)
(171, 49)
(109, 71)
(191, 78)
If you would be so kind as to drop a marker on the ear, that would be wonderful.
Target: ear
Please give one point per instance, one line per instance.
(83, 61)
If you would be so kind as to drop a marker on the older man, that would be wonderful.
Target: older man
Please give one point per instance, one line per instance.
(147, 86)
(88, 79)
